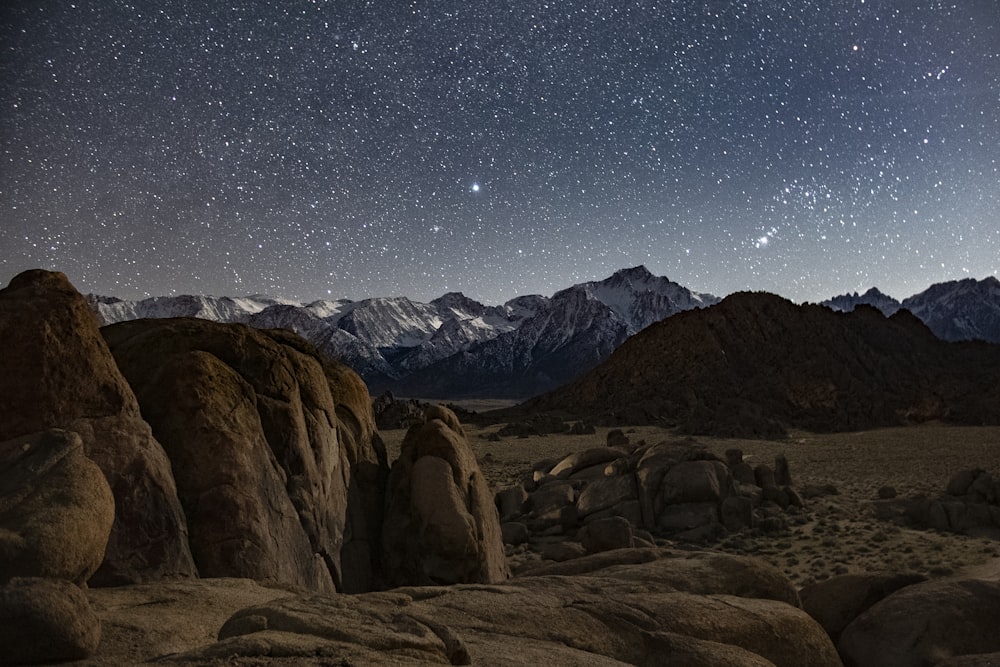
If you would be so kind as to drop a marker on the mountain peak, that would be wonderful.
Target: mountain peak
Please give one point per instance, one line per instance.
(635, 273)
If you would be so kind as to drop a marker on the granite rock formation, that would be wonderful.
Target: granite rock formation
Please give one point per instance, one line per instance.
(441, 525)
(56, 509)
(57, 372)
(279, 468)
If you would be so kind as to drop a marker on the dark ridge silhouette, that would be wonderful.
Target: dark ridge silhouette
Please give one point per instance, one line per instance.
(757, 364)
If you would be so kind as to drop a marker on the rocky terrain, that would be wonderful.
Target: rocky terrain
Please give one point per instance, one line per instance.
(193, 492)
(758, 365)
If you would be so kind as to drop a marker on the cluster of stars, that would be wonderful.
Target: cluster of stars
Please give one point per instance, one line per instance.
(310, 148)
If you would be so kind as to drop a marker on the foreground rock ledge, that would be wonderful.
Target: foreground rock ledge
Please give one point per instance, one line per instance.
(634, 606)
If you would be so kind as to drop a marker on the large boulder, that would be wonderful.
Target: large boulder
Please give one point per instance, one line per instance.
(56, 509)
(45, 620)
(838, 601)
(926, 623)
(57, 372)
(441, 524)
(278, 464)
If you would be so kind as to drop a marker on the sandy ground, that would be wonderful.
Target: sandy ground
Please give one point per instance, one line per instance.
(835, 534)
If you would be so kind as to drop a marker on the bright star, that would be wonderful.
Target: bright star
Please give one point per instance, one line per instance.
(475, 187)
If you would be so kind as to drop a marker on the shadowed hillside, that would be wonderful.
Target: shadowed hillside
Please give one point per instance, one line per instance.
(756, 364)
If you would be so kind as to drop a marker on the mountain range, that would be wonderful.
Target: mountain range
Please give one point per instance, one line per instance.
(456, 347)
(756, 365)
(453, 346)
(966, 309)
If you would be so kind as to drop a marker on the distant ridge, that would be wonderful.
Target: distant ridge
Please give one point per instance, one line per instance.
(967, 309)
(757, 364)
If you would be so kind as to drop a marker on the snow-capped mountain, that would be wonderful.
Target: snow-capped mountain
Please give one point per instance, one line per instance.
(219, 309)
(453, 346)
(559, 338)
(966, 309)
(848, 302)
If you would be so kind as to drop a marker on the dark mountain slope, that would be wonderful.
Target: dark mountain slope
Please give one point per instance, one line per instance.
(757, 364)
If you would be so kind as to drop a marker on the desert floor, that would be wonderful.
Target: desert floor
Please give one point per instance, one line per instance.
(835, 534)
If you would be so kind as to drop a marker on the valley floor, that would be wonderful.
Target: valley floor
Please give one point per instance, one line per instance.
(836, 534)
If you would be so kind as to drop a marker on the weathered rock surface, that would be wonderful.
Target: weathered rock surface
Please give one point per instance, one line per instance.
(142, 622)
(621, 611)
(45, 620)
(57, 372)
(838, 601)
(279, 468)
(926, 623)
(441, 525)
(56, 509)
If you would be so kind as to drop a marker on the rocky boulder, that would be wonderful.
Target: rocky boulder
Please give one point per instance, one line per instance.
(926, 623)
(441, 525)
(279, 468)
(56, 509)
(838, 601)
(675, 490)
(970, 505)
(57, 372)
(621, 611)
(46, 620)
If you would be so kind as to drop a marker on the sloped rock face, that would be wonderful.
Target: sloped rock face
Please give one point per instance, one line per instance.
(621, 611)
(926, 623)
(57, 372)
(56, 509)
(441, 526)
(279, 467)
(756, 364)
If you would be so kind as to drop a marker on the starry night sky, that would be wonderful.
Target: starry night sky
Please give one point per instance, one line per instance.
(353, 149)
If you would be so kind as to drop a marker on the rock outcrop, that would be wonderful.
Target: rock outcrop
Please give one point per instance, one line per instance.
(57, 372)
(441, 525)
(56, 509)
(610, 497)
(45, 620)
(836, 602)
(279, 467)
(970, 505)
(635, 606)
(926, 623)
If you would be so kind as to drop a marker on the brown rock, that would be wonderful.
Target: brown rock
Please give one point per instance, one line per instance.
(925, 623)
(551, 495)
(605, 493)
(606, 534)
(510, 502)
(56, 509)
(46, 620)
(57, 372)
(838, 601)
(585, 459)
(278, 464)
(630, 614)
(441, 525)
(617, 438)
